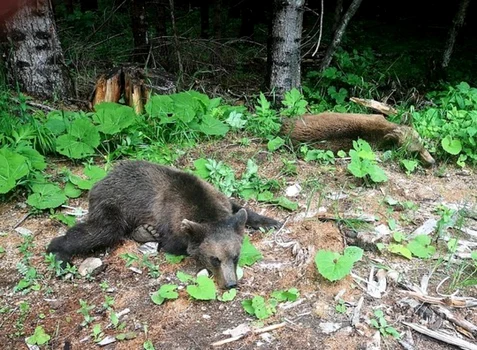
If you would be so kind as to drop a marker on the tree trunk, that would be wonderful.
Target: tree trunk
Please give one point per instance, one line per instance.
(339, 34)
(338, 13)
(247, 20)
(139, 29)
(160, 19)
(88, 5)
(457, 23)
(36, 60)
(204, 19)
(217, 21)
(284, 50)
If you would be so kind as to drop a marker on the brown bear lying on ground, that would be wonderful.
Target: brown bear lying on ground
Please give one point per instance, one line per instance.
(337, 131)
(184, 214)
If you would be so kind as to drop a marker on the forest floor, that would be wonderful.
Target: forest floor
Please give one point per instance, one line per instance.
(311, 322)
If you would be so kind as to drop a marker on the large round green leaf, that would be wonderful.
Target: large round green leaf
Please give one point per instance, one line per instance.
(80, 141)
(13, 167)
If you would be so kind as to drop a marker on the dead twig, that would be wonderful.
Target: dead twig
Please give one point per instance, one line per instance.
(463, 323)
(446, 338)
(24, 217)
(256, 331)
(456, 302)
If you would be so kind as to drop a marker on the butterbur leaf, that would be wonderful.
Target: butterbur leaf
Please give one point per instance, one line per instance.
(71, 191)
(159, 106)
(13, 167)
(421, 247)
(275, 143)
(113, 117)
(377, 174)
(201, 169)
(174, 259)
(291, 294)
(213, 126)
(46, 196)
(228, 295)
(334, 266)
(235, 120)
(247, 306)
(203, 290)
(36, 160)
(450, 145)
(249, 255)
(166, 291)
(93, 174)
(80, 141)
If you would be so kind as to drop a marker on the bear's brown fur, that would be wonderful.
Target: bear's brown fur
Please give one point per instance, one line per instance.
(337, 131)
(184, 214)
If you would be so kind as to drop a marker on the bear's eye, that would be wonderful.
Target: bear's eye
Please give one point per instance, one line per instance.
(215, 261)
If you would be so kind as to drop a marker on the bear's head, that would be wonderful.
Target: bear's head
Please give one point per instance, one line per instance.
(217, 246)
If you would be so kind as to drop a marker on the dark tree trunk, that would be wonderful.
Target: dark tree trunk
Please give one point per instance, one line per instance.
(88, 5)
(284, 50)
(217, 22)
(248, 23)
(339, 32)
(338, 13)
(160, 20)
(457, 23)
(204, 19)
(35, 59)
(139, 29)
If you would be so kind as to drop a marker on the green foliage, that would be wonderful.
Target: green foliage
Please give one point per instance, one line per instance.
(13, 167)
(421, 247)
(318, 155)
(97, 333)
(260, 307)
(228, 295)
(382, 325)
(275, 143)
(46, 196)
(92, 174)
(363, 163)
(340, 307)
(249, 255)
(334, 266)
(80, 140)
(451, 123)
(265, 122)
(294, 102)
(166, 291)
(291, 294)
(39, 337)
(174, 259)
(184, 277)
(85, 310)
(203, 290)
(112, 118)
(409, 165)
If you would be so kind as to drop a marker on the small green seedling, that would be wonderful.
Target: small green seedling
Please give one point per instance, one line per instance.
(85, 310)
(228, 295)
(291, 294)
(341, 307)
(382, 325)
(97, 333)
(260, 307)
(334, 266)
(39, 337)
(166, 291)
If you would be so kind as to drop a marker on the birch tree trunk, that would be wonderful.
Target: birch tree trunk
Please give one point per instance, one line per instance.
(284, 58)
(339, 32)
(457, 23)
(35, 60)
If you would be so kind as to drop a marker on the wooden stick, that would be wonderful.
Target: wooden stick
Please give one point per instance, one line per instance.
(442, 337)
(447, 301)
(376, 105)
(463, 323)
(256, 331)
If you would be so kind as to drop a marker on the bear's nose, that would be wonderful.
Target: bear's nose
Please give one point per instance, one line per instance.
(231, 285)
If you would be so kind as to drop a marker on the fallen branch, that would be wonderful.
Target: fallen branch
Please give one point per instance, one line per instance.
(446, 338)
(375, 105)
(462, 323)
(345, 216)
(256, 331)
(447, 301)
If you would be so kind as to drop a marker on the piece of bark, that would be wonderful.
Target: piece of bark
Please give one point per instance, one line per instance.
(446, 338)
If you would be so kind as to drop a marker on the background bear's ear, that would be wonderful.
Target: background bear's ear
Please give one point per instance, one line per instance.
(240, 219)
(193, 229)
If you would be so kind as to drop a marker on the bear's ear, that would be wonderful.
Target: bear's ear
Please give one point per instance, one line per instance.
(193, 229)
(240, 219)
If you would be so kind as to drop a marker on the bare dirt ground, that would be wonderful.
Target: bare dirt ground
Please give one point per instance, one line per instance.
(288, 261)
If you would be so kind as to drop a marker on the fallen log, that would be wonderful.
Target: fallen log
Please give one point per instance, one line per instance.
(337, 131)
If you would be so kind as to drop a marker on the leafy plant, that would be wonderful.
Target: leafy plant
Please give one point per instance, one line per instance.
(318, 155)
(249, 255)
(228, 295)
(363, 163)
(294, 102)
(291, 294)
(340, 307)
(13, 167)
(421, 247)
(97, 333)
(380, 323)
(39, 337)
(84, 310)
(46, 196)
(184, 277)
(166, 291)
(334, 266)
(265, 122)
(260, 307)
(204, 289)
(174, 259)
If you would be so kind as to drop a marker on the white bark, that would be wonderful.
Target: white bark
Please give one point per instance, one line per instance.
(36, 59)
(284, 56)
